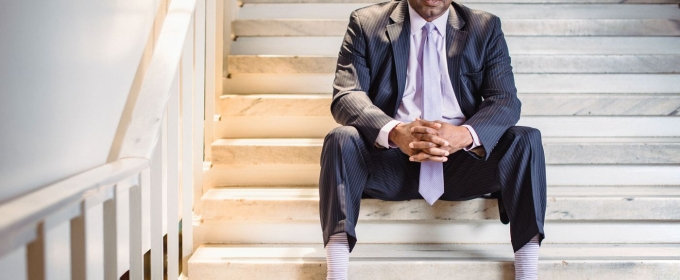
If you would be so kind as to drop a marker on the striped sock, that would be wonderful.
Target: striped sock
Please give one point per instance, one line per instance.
(337, 257)
(526, 261)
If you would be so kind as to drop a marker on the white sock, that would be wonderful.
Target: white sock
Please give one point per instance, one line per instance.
(337, 257)
(526, 261)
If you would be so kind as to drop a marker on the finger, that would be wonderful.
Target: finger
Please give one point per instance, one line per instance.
(420, 145)
(421, 157)
(432, 124)
(431, 138)
(437, 152)
(423, 130)
(429, 147)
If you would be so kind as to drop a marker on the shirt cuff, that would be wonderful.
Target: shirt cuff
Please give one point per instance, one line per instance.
(475, 139)
(384, 134)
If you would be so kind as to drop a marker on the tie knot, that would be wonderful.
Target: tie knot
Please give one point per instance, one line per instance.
(429, 27)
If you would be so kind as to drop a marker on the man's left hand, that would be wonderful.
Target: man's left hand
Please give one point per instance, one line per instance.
(458, 137)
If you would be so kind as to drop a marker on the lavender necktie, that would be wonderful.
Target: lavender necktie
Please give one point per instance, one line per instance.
(431, 185)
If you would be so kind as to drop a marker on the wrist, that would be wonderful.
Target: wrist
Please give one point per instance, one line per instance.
(394, 133)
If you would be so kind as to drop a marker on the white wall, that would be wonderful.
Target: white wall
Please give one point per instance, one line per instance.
(66, 69)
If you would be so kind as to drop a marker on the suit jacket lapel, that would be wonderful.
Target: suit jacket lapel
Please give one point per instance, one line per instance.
(455, 43)
(399, 33)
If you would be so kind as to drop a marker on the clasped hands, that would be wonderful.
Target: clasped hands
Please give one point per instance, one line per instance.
(424, 140)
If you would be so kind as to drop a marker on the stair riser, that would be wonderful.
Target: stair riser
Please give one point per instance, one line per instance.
(479, 1)
(532, 105)
(555, 153)
(386, 270)
(342, 11)
(558, 175)
(526, 83)
(578, 126)
(617, 64)
(458, 232)
(530, 45)
(558, 208)
(511, 27)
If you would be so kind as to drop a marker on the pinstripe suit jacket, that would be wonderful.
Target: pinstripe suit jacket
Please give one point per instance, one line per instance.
(371, 73)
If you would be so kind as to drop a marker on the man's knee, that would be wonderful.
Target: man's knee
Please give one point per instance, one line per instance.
(342, 135)
(526, 135)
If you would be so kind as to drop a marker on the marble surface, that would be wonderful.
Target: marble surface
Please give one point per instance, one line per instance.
(525, 83)
(477, 1)
(379, 262)
(511, 27)
(532, 105)
(505, 11)
(528, 64)
(301, 204)
(524, 45)
(594, 151)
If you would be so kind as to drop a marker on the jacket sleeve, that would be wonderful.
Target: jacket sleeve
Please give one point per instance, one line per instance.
(351, 105)
(500, 108)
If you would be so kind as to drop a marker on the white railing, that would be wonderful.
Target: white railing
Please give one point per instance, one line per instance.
(100, 223)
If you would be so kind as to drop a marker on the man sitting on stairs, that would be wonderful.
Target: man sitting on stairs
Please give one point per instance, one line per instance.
(426, 97)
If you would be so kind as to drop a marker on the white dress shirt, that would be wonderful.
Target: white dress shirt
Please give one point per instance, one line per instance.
(412, 103)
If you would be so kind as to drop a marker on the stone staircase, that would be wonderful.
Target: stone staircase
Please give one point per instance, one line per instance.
(599, 78)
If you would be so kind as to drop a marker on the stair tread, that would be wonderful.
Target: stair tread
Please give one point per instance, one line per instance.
(442, 252)
(534, 63)
(312, 192)
(305, 142)
(474, 1)
(511, 27)
(526, 83)
(564, 203)
(503, 10)
(517, 45)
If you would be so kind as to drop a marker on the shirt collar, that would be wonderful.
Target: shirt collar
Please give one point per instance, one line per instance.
(417, 22)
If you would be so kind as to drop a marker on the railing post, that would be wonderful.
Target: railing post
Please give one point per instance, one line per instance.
(187, 74)
(200, 120)
(156, 207)
(110, 209)
(136, 236)
(14, 265)
(172, 198)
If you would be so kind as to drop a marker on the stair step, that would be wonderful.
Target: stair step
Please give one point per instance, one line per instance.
(342, 11)
(329, 46)
(318, 105)
(559, 126)
(511, 27)
(526, 83)
(478, 1)
(439, 232)
(564, 203)
(242, 152)
(569, 175)
(424, 261)
(528, 64)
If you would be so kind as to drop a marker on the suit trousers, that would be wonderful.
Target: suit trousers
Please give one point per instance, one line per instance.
(351, 167)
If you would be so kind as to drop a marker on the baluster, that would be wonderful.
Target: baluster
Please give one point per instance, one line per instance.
(87, 235)
(55, 244)
(187, 94)
(199, 104)
(13, 264)
(136, 230)
(156, 205)
(111, 226)
(173, 179)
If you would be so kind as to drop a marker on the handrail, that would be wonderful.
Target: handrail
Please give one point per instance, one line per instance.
(91, 206)
(27, 211)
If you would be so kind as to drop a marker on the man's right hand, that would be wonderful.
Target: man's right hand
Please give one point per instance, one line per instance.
(418, 151)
